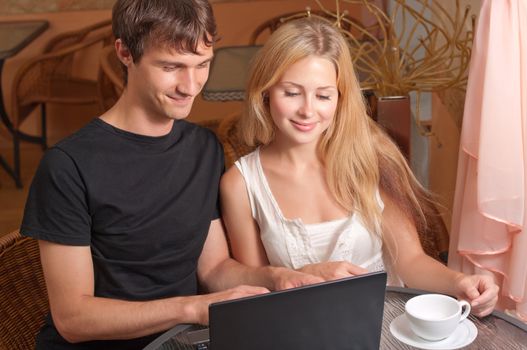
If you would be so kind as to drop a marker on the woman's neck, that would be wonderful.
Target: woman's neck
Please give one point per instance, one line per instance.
(292, 157)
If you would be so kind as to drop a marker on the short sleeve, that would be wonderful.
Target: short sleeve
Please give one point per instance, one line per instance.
(56, 209)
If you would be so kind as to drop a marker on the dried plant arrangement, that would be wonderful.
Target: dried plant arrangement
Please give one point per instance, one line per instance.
(389, 58)
(418, 47)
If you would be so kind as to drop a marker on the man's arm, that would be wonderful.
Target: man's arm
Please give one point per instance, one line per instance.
(81, 316)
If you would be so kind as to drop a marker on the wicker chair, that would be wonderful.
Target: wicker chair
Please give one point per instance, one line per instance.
(233, 147)
(260, 34)
(49, 78)
(23, 296)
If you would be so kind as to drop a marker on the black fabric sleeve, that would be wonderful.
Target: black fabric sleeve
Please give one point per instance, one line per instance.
(56, 209)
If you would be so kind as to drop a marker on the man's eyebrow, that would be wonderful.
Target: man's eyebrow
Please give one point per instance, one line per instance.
(179, 63)
(209, 59)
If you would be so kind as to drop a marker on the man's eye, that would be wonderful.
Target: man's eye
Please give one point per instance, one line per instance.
(169, 68)
(203, 65)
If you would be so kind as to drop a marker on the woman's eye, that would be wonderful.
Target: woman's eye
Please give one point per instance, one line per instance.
(324, 97)
(289, 93)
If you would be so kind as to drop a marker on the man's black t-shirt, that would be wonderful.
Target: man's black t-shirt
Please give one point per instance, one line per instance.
(143, 205)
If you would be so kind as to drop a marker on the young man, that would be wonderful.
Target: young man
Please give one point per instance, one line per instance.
(126, 209)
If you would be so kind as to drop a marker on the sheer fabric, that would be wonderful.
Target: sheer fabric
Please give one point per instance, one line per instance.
(489, 223)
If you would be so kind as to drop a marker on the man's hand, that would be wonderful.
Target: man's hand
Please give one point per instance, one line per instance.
(200, 303)
(333, 270)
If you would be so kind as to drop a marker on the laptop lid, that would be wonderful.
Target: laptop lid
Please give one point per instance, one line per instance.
(340, 314)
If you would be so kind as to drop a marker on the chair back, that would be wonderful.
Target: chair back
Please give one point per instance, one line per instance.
(23, 297)
(228, 134)
(50, 77)
(347, 23)
(70, 38)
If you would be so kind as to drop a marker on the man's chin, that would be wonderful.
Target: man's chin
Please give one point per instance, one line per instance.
(179, 112)
(178, 115)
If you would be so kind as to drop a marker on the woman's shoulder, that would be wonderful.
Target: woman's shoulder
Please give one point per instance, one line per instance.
(244, 170)
(249, 158)
(232, 180)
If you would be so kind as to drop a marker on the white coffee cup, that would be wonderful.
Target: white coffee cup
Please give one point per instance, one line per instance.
(435, 316)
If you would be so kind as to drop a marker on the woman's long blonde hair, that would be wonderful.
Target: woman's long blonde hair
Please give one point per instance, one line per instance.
(358, 156)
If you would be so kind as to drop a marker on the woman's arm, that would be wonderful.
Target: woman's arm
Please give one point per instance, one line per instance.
(419, 270)
(242, 230)
(244, 238)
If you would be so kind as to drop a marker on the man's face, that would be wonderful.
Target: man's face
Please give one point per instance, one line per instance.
(165, 81)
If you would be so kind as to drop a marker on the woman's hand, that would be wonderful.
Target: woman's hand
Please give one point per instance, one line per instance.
(285, 278)
(333, 270)
(480, 291)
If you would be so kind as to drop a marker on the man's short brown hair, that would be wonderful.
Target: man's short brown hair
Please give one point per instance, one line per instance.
(175, 24)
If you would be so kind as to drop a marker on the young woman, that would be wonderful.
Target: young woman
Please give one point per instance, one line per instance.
(327, 192)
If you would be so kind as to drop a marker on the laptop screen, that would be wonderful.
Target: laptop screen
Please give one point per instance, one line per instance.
(341, 314)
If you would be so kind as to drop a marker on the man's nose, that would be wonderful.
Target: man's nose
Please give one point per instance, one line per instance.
(188, 83)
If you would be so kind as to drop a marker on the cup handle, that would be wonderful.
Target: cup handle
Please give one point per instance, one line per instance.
(464, 304)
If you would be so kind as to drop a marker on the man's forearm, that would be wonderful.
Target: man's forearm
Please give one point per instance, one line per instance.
(101, 318)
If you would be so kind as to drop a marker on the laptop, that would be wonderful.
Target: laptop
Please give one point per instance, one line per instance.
(341, 314)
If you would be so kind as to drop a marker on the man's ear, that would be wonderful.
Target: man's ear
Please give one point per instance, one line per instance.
(123, 53)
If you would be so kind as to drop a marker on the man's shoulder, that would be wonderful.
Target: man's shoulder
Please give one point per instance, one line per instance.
(88, 134)
(199, 130)
(202, 137)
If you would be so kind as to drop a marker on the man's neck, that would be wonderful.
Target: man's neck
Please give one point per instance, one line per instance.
(127, 116)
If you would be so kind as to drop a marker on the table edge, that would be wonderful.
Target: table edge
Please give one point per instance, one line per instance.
(182, 327)
(156, 343)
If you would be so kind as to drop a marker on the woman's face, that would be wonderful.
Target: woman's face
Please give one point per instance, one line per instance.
(303, 102)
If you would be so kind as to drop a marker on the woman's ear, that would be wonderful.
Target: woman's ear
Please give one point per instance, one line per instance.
(265, 97)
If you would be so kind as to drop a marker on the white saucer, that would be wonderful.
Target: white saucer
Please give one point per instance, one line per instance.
(464, 334)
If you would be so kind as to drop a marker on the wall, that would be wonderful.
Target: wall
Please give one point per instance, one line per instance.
(235, 19)
(447, 115)
(40, 6)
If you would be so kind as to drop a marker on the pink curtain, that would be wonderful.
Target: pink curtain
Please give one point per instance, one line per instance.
(489, 221)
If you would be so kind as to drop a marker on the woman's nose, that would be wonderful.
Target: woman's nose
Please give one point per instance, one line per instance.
(306, 110)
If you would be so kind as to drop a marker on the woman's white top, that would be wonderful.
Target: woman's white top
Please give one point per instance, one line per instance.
(293, 244)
